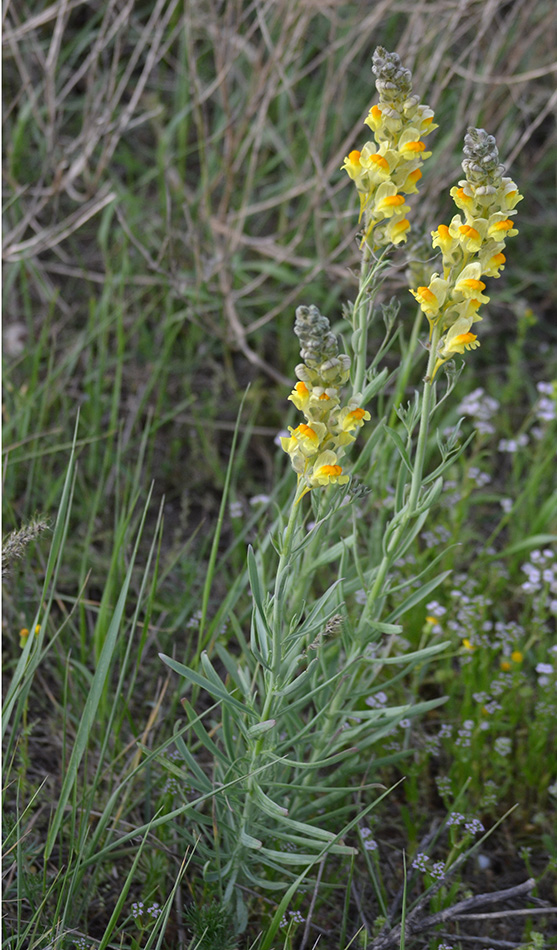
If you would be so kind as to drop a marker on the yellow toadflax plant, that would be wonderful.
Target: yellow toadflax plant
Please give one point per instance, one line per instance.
(290, 749)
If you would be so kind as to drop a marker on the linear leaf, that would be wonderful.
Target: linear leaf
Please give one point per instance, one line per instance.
(409, 658)
(219, 692)
(536, 540)
(417, 596)
(394, 436)
(294, 859)
(267, 804)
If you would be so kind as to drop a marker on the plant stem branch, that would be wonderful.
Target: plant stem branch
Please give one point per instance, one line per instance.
(362, 313)
(415, 486)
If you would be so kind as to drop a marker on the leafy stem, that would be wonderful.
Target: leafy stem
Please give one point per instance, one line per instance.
(371, 608)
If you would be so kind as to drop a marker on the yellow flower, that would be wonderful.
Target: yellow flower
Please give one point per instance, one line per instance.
(492, 263)
(432, 298)
(458, 339)
(374, 118)
(396, 230)
(461, 342)
(352, 418)
(470, 236)
(379, 161)
(511, 194)
(411, 146)
(504, 228)
(374, 161)
(352, 163)
(327, 471)
(469, 232)
(469, 284)
(516, 656)
(442, 238)
(304, 438)
(472, 290)
(353, 167)
(24, 634)
(462, 198)
(468, 645)
(300, 396)
(389, 204)
(409, 185)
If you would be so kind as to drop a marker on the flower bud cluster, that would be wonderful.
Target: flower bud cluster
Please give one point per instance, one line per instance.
(386, 170)
(472, 246)
(316, 446)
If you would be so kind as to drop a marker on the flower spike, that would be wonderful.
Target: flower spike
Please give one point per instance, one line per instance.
(316, 446)
(386, 170)
(472, 248)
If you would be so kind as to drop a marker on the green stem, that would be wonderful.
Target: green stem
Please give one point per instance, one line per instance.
(427, 396)
(406, 367)
(279, 607)
(283, 567)
(362, 313)
(344, 687)
(416, 484)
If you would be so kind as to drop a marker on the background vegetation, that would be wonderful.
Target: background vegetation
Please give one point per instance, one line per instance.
(171, 193)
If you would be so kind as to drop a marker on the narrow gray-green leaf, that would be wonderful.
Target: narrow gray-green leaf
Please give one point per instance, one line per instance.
(417, 596)
(219, 692)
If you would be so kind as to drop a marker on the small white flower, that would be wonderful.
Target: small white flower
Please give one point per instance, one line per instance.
(503, 746)
(260, 500)
(235, 509)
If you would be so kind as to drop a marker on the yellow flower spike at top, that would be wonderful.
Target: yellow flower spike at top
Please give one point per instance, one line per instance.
(472, 247)
(316, 446)
(389, 168)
